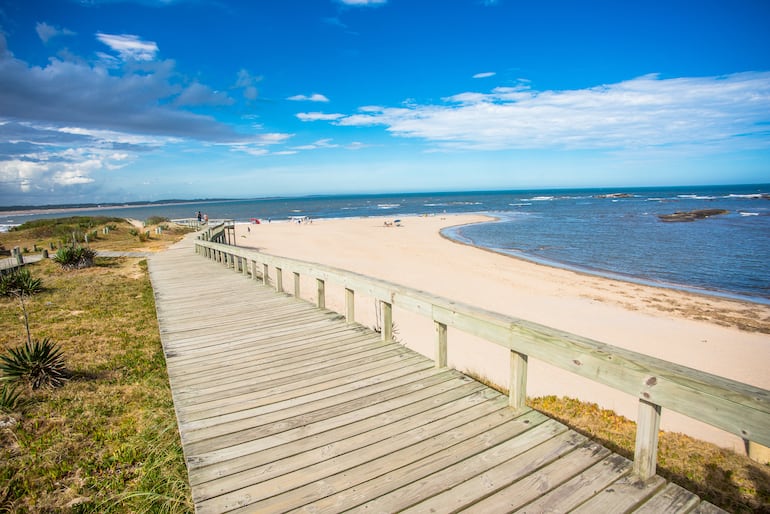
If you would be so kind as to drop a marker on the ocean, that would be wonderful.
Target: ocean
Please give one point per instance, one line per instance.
(610, 232)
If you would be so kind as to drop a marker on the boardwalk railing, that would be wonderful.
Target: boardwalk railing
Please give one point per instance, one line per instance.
(738, 408)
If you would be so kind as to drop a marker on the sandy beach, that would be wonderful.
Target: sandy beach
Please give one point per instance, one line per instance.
(721, 336)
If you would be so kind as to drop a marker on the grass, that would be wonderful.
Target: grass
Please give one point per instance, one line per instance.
(731, 481)
(107, 440)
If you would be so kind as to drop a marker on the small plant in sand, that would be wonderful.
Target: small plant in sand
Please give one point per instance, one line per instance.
(19, 282)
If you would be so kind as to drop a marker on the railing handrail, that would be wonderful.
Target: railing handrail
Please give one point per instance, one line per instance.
(735, 407)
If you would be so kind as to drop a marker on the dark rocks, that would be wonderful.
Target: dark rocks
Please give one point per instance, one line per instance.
(691, 215)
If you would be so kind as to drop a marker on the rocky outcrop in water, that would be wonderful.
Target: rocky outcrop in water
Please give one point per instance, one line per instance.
(691, 215)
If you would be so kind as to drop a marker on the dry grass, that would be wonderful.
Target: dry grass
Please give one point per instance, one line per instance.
(106, 441)
(731, 481)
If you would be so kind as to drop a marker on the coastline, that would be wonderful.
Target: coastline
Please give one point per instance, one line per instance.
(721, 336)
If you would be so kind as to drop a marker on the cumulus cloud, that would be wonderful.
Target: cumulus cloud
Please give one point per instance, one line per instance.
(315, 97)
(63, 123)
(318, 116)
(129, 46)
(199, 94)
(644, 112)
(46, 32)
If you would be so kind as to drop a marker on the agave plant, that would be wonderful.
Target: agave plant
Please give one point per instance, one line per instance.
(19, 282)
(75, 257)
(10, 398)
(40, 363)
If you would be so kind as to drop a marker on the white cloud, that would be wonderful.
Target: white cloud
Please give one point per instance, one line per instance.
(46, 32)
(318, 116)
(247, 81)
(363, 3)
(129, 46)
(199, 94)
(315, 97)
(484, 75)
(644, 112)
(321, 143)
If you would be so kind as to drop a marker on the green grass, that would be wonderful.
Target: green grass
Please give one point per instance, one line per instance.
(107, 440)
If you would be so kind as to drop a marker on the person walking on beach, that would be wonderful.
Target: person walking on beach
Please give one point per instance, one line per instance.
(200, 216)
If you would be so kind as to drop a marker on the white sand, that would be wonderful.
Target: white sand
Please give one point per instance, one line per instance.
(694, 330)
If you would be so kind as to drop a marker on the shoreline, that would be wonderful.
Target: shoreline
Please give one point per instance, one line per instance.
(712, 334)
(597, 272)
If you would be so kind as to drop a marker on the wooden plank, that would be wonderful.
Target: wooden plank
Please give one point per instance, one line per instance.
(671, 500)
(572, 493)
(299, 487)
(624, 495)
(284, 406)
(544, 480)
(494, 479)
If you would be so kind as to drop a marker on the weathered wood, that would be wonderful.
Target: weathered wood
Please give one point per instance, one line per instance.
(517, 394)
(295, 408)
(320, 294)
(296, 284)
(387, 321)
(646, 449)
(279, 279)
(738, 408)
(672, 499)
(441, 345)
(350, 305)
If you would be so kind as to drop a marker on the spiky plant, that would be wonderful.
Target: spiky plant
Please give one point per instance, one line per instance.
(10, 398)
(40, 363)
(75, 257)
(18, 282)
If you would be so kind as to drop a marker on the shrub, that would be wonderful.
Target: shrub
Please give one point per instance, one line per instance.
(10, 398)
(40, 363)
(156, 220)
(19, 282)
(75, 257)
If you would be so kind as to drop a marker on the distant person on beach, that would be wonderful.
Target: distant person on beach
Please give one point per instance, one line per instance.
(200, 216)
(206, 219)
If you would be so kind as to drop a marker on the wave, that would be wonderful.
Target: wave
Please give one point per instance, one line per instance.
(388, 205)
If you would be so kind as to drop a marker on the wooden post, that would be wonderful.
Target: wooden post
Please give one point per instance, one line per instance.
(265, 269)
(350, 305)
(254, 270)
(441, 344)
(321, 297)
(387, 321)
(517, 393)
(646, 450)
(278, 279)
(296, 284)
(45, 253)
(245, 266)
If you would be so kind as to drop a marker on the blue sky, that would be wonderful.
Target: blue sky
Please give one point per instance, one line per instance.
(107, 100)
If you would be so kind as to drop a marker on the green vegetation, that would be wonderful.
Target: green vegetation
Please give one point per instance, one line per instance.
(75, 257)
(156, 220)
(19, 281)
(107, 440)
(39, 363)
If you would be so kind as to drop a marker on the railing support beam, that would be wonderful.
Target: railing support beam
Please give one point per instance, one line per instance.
(265, 270)
(517, 393)
(321, 297)
(387, 321)
(296, 284)
(278, 279)
(350, 305)
(441, 344)
(646, 450)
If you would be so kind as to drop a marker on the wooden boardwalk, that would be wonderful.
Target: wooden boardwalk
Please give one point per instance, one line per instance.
(283, 406)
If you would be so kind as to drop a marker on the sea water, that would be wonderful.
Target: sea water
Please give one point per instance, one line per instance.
(614, 232)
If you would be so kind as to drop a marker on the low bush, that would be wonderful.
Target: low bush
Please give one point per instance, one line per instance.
(19, 281)
(75, 257)
(39, 363)
(156, 220)
(10, 398)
